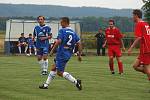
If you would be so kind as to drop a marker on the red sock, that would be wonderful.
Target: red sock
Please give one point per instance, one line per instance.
(120, 66)
(149, 78)
(111, 65)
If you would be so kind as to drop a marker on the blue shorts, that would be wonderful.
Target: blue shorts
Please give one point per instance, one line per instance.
(31, 46)
(42, 51)
(60, 64)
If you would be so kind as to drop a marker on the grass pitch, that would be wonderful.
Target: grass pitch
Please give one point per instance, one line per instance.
(20, 78)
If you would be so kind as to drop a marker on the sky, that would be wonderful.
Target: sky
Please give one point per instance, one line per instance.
(116, 4)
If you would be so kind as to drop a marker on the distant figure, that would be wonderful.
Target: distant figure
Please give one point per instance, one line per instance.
(100, 41)
(114, 42)
(31, 44)
(142, 36)
(22, 43)
(42, 33)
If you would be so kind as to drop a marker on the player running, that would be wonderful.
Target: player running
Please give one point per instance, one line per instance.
(42, 33)
(142, 34)
(65, 42)
(31, 45)
(114, 42)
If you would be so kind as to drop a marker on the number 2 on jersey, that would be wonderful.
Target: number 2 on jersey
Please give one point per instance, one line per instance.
(70, 39)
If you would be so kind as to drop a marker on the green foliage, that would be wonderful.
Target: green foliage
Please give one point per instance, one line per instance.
(146, 9)
(20, 78)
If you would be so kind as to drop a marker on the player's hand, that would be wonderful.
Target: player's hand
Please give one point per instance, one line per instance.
(51, 53)
(103, 45)
(123, 49)
(79, 58)
(129, 51)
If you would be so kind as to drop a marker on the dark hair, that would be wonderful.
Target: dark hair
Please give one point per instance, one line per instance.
(65, 19)
(111, 20)
(30, 34)
(138, 13)
(40, 16)
(22, 33)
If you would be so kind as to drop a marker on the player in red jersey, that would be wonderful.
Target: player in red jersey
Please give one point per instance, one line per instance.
(142, 35)
(114, 42)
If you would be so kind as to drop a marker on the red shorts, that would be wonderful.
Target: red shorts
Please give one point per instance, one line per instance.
(144, 58)
(114, 50)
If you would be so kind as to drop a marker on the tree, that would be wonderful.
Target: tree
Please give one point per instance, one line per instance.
(146, 9)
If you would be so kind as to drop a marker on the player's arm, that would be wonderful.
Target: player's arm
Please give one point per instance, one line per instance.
(123, 47)
(104, 45)
(56, 44)
(79, 45)
(134, 44)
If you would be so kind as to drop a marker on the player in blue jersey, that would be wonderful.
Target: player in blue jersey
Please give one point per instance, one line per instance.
(65, 42)
(22, 43)
(31, 45)
(42, 33)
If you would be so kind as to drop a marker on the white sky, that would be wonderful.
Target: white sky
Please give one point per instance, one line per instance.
(117, 4)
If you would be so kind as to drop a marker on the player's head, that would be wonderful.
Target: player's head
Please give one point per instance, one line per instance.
(137, 14)
(111, 23)
(22, 34)
(65, 22)
(100, 30)
(41, 20)
(30, 35)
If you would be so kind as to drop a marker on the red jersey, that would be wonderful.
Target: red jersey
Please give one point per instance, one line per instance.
(113, 36)
(142, 29)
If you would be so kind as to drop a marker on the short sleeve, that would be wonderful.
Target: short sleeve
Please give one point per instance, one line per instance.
(49, 31)
(119, 35)
(138, 30)
(34, 32)
(60, 35)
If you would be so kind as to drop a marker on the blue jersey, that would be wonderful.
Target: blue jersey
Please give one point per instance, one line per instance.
(30, 41)
(68, 40)
(42, 31)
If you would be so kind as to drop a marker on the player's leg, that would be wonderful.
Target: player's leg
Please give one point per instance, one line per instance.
(19, 48)
(45, 60)
(120, 65)
(35, 51)
(26, 48)
(111, 64)
(118, 55)
(60, 66)
(98, 49)
(40, 59)
(138, 66)
(50, 77)
(147, 71)
(30, 50)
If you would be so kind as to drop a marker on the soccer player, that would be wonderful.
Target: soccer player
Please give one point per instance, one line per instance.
(65, 42)
(31, 45)
(42, 33)
(22, 43)
(142, 35)
(114, 42)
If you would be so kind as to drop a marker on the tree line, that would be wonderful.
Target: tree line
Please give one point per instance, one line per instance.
(88, 24)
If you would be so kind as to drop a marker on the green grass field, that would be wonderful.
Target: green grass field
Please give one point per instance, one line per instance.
(20, 78)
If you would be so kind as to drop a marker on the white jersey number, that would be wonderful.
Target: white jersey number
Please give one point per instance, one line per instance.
(70, 39)
(147, 29)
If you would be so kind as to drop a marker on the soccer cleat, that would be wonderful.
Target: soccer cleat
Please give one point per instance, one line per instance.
(43, 86)
(44, 73)
(112, 72)
(120, 73)
(78, 85)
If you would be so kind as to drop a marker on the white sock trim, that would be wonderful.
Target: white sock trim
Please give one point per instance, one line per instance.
(50, 77)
